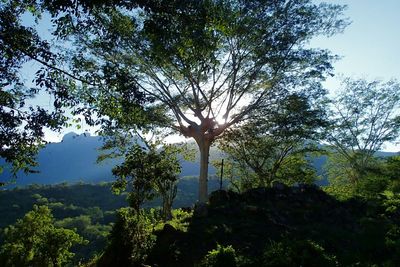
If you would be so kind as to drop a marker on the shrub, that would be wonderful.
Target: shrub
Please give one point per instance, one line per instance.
(132, 239)
(297, 253)
(220, 257)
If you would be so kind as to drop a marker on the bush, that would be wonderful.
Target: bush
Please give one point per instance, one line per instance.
(371, 186)
(392, 242)
(34, 240)
(132, 239)
(297, 253)
(220, 257)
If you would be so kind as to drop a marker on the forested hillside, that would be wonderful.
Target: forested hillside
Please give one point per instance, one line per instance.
(88, 208)
(70, 200)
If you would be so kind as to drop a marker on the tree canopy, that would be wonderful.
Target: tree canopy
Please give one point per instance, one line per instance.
(21, 122)
(149, 172)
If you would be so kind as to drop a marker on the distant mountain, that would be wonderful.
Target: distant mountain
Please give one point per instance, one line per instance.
(71, 160)
(74, 159)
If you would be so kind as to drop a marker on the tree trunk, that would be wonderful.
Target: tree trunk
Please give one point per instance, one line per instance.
(204, 147)
(167, 207)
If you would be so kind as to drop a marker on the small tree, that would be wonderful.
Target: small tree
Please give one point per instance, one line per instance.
(35, 241)
(365, 115)
(273, 145)
(392, 171)
(148, 172)
(131, 239)
(220, 257)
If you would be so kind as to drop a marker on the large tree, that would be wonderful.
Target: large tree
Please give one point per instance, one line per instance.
(197, 67)
(206, 64)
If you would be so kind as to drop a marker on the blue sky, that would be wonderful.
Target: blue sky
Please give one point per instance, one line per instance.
(369, 47)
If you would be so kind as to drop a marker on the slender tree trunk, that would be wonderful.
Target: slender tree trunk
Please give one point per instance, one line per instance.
(204, 147)
(167, 206)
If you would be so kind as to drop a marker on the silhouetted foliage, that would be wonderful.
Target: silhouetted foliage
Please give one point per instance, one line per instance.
(131, 239)
(21, 122)
(289, 226)
(289, 252)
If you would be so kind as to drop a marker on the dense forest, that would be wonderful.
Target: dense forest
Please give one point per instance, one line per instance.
(238, 76)
(89, 209)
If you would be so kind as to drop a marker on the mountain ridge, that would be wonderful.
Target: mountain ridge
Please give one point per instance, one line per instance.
(74, 159)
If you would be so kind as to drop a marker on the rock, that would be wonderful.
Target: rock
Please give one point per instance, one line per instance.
(278, 185)
(200, 210)
(256, 193)
(252, 209)
(308, 187)
(218, 197)
(169, 228)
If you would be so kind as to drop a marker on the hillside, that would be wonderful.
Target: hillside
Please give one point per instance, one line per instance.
(77, 198)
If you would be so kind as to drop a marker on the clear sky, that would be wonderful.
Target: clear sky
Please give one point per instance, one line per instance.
(369, 46)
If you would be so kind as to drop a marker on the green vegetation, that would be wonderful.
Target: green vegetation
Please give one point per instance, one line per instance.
(279, 226)
(148, 173)
(219, 257)
(276, 145)
(87, 209)
(238, 71)
(132, 238)
(95, 201)
(285, 226)
(196, 67)
(364, 115)
(35, 241)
